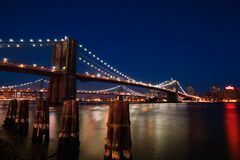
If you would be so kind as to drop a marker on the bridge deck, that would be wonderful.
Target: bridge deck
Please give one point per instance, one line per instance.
(43, 71)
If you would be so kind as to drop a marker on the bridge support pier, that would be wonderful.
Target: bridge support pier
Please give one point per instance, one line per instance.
(68, 137)
(64, 59)
(118, 141)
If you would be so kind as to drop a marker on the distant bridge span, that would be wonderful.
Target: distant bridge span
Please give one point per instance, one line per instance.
(34, 91)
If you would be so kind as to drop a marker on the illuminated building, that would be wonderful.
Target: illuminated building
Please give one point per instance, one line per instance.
(215, 93)
(230, 94)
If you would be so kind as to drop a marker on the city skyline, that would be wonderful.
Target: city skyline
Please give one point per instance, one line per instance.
(194, 42)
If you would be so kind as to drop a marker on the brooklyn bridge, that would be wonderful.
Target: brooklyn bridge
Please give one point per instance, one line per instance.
(61, 91)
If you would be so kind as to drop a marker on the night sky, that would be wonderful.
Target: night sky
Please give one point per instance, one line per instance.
(195, 42)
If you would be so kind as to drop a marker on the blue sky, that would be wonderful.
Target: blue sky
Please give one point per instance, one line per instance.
(195, 42)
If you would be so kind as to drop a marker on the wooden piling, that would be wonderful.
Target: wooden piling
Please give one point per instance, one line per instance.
(68, 138)
(41, 122)
(11, 114)
(21, 120)
(118, 141)
(75, 123)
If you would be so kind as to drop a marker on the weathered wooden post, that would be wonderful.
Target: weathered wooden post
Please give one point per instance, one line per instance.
(68, 138)
(41, 122)
(118, 141)
(11, 114)
(21, 120)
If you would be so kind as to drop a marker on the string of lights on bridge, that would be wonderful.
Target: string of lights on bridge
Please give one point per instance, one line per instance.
(103, 90)
(119, 89)
(163, 85)
(48, 42)
(97, 69)
(101, 61)
(11, 43)
(93, 91)
(23, 84)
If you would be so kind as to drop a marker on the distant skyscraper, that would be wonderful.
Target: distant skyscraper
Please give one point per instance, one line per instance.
(215, 93)
(190, 90)
(214, 89)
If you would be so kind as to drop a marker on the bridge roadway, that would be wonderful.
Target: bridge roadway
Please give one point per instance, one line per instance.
(44, 71)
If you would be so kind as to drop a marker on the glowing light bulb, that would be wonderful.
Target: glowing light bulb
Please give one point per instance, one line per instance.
(5, 60)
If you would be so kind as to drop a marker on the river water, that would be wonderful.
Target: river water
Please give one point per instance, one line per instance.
(165, 131)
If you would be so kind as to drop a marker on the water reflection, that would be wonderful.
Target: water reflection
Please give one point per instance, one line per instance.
(232, 130)
(159, 131)
(93, 128)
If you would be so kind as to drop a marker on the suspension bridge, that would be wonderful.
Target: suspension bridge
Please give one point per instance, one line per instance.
(63, 75)
(62, 91)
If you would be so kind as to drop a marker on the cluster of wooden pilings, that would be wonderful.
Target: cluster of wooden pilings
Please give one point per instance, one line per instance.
(118, 141)
(17, 116)
(9, 121)
(41, 122)
(68, 138)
